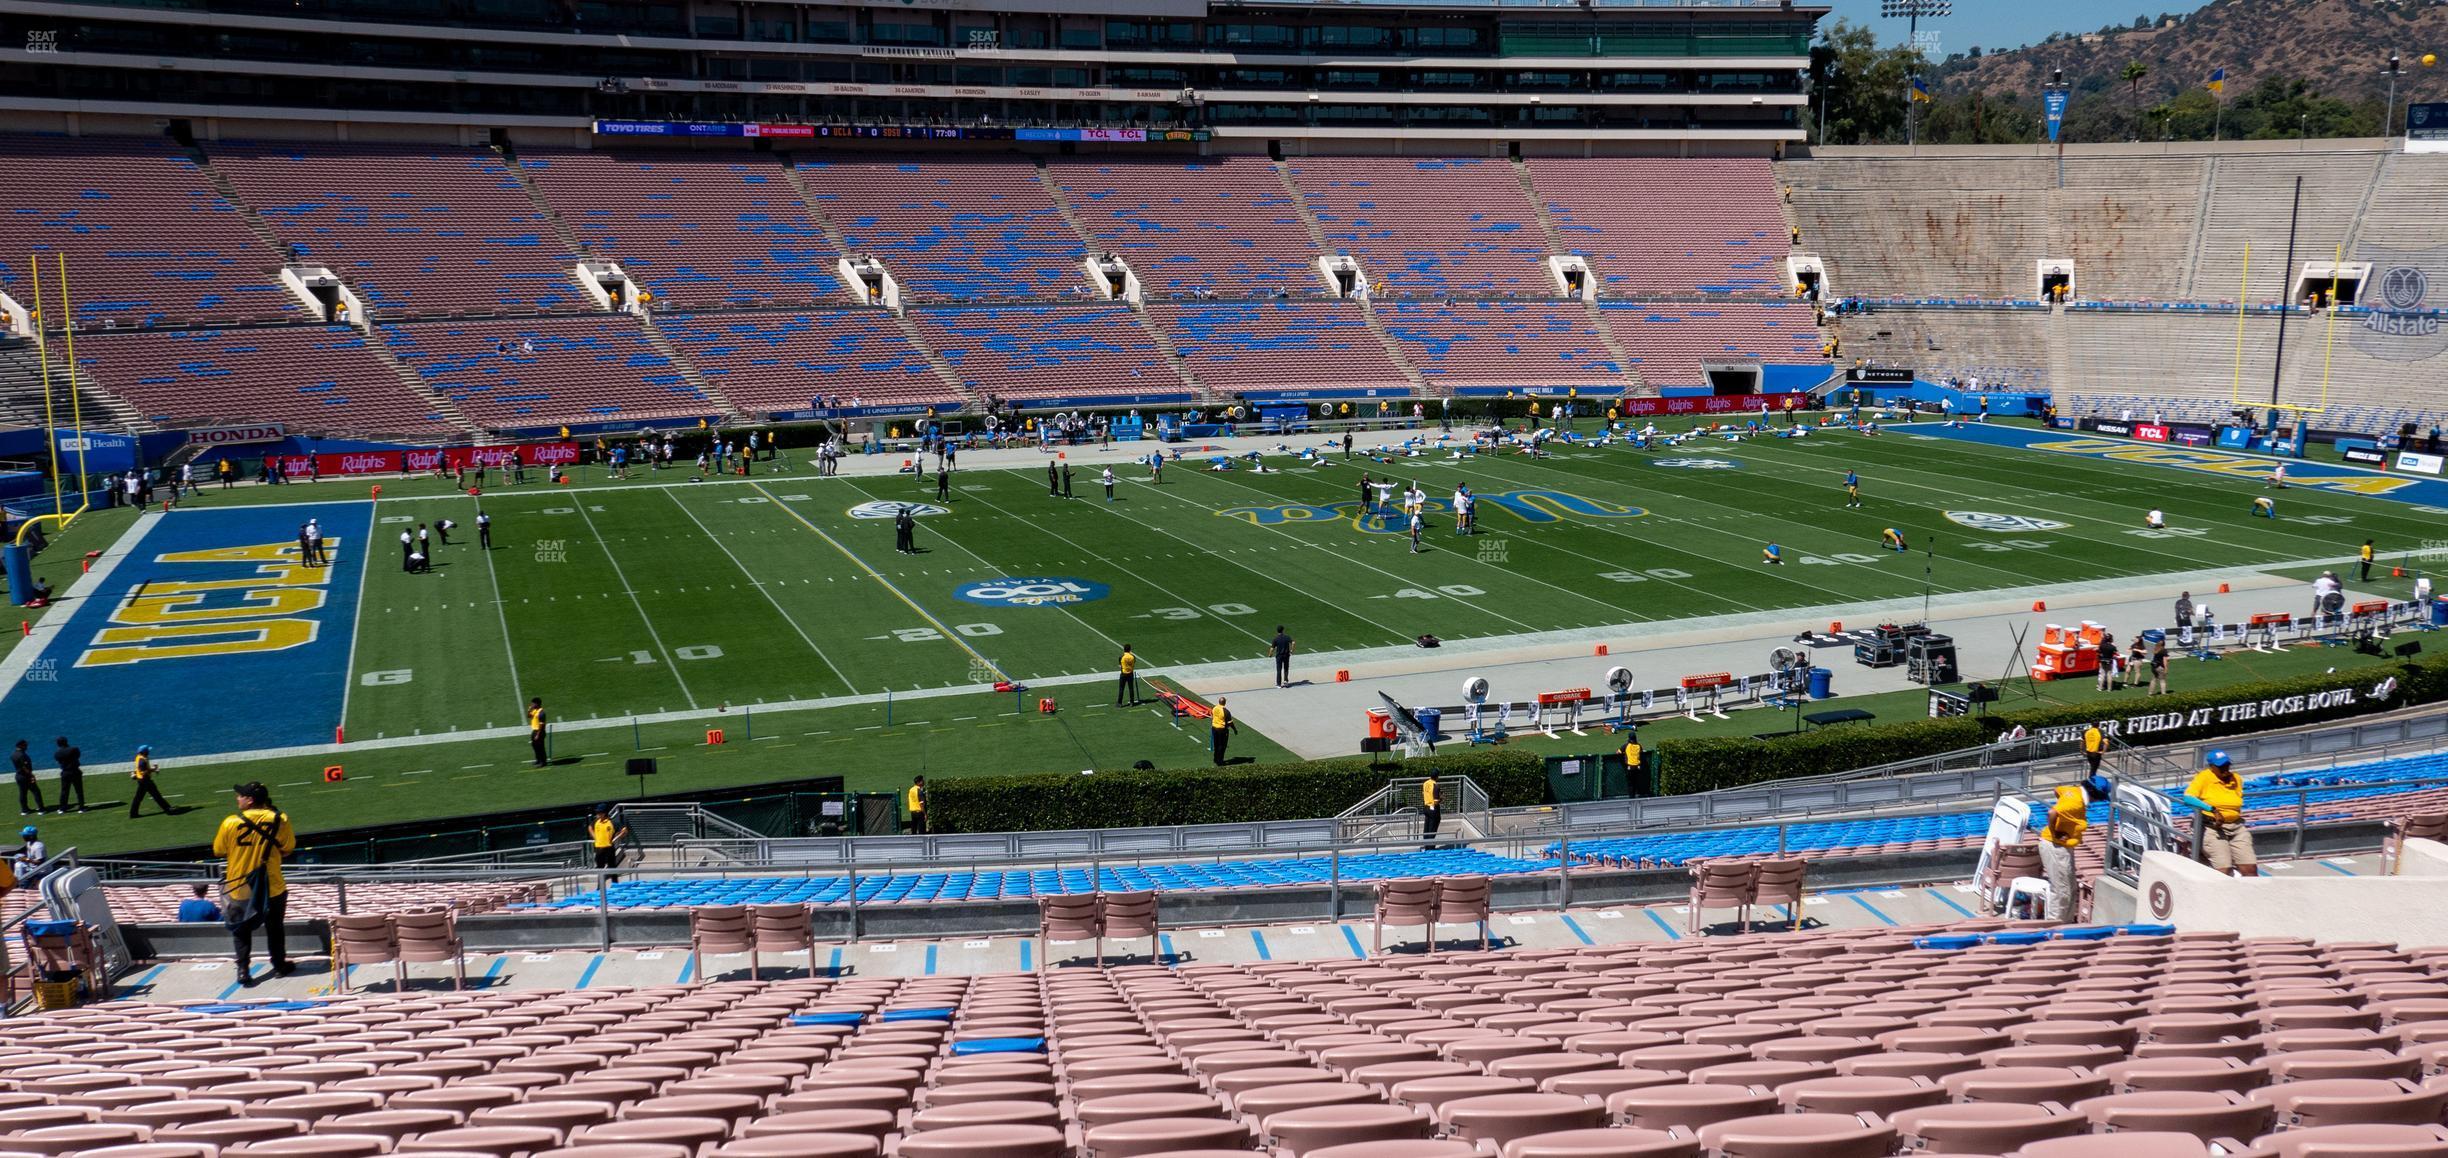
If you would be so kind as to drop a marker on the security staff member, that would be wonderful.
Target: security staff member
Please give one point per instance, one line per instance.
(1632, 759)
(1220, 727)
(252, 844)
(1432, 812)
(146, 788)
(1127, 682)
(2367, 561)
(605, 836)
(71, 761)
(2095, 745)
(535, 728)
(2063, 834)
(916, 798)
(2220, 835)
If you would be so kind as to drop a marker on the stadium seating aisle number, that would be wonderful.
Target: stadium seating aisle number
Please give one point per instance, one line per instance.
(929, 634)
(1667, 573)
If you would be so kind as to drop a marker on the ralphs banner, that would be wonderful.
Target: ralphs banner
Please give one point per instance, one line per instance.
(419, 461)
(1705, 404)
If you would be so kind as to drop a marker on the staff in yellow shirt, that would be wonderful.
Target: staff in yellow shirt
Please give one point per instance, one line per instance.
(252, 844)
(535, 728)
(1126, 686)
(1432, 811)
(2095, 745)
(146, 787)
(2220, 834)
(605, 836)
(2060, 836)
(1220, 727)
(2367, 561)
(916, 799)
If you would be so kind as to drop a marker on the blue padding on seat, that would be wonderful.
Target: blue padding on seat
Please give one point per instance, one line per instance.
(842, 1018)
(2087, 933)
(943, 1014)
(2031, 938)
(2147, 930)
(998, 1045)
(1949, 941)
(50, 928)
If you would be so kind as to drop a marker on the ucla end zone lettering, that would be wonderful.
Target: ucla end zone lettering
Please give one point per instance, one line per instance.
(212, 610)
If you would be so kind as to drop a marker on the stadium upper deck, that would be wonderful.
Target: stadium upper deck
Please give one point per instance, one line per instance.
(1599, 75)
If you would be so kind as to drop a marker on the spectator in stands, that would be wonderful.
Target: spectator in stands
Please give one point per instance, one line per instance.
(2220, 835)
(915, 798)
(71, 762)
(1220, 727)
(22, 763)
(253, 842)
(199, 909)
(31, 855)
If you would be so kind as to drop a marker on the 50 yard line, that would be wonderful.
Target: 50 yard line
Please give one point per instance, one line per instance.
(644, 618)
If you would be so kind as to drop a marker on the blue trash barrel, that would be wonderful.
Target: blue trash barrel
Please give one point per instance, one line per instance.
(2439, 611)
(1429, 718)
(1821, 681)
(2153, 638)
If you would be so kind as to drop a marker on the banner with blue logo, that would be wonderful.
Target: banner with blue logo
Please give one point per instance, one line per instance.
(2054, 100)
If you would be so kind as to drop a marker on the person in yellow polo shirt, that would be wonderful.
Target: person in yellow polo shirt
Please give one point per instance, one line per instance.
(2367, 560)
(1126, 686)
(916, 799)
(2060, 836)
(252, 844)
(1220, 727)
(2095, 745)
(1432, 811)
(605, 836)
(535, 728)
(146, 786)
(2217, 799)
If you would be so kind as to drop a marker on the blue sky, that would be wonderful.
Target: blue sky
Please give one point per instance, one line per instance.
(1997, 24)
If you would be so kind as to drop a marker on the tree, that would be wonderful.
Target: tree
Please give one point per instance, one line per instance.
(2133, 73)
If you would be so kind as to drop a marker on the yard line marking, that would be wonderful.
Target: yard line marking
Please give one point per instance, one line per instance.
(648, 620)
(348, 682)
(1169, 592)
(777, 606)
(878, 576)
(509, 654)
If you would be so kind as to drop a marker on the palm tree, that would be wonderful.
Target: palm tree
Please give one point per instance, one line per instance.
(2134, 72)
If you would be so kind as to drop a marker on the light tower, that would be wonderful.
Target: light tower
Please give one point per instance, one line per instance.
(1914, 12)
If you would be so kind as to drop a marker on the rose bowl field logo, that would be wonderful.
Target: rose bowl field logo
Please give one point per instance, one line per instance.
(2003, 524)
(880, 509)
(1698, 464)
(1035, 592)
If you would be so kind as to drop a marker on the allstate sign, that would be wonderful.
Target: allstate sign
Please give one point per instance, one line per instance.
(1037, 592)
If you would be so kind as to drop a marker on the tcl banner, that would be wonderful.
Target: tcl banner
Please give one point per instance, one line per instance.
(1705, 404)
(236, 435)
(545, 454)
(2150, 432)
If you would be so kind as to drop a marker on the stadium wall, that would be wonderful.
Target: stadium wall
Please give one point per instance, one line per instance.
(2409, 909)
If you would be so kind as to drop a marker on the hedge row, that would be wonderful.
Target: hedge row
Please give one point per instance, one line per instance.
(1129, 798)
(1702, 765)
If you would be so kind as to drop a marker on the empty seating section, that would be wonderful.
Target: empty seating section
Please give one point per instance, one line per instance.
(1669, 343)
(322, 377)
(2127, 224)
(2006, 349)
(701, 230)
(1974, 1038)
(952, 229)
(547, 371)
(1429, 228)
(2406, 212)
(1049, 351)
(148, 240)
(784, 361)
(2250, 203)
(158, 904)
(1239, 346)
(1502, 344)
(415, 230)
(1905, 228)
(2185, 365)
(1669, 226)
(1223, 226)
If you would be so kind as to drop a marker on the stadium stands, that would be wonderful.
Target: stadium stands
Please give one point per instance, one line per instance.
(952, 229)
(1669, 226)
(2128, 224)
(1429, 228)
(701, 230)
(149, 241)
(1669, 343)
(417, 231)
(1970, 1038)
(321, 377)
(1223, 226)
(308, 901)
(2002, 348)
(784, 361)
(2249, 203)
(1482, 343)
(547, 371)
(1049, 351)
(1278, 345)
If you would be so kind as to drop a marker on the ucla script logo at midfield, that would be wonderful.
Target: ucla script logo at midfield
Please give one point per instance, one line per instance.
(1529, 506)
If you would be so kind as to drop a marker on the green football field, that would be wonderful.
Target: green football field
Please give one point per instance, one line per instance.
(655, 595)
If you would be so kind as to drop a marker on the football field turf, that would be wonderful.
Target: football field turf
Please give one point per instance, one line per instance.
(659, 595)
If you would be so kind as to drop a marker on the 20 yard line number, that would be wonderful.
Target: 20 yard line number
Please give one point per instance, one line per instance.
(930, 635)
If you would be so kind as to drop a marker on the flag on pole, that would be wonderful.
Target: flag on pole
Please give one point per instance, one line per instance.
(2218, 80)
(1920, 89)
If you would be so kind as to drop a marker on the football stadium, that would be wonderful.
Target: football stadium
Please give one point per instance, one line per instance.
(1194, 578)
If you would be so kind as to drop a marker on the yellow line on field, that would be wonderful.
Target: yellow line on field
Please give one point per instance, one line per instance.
(878, 576)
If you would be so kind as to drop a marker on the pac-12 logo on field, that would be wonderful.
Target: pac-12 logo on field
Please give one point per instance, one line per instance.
(1031, 592)
(881, 509)
(1699, 463)
(2003, 524)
